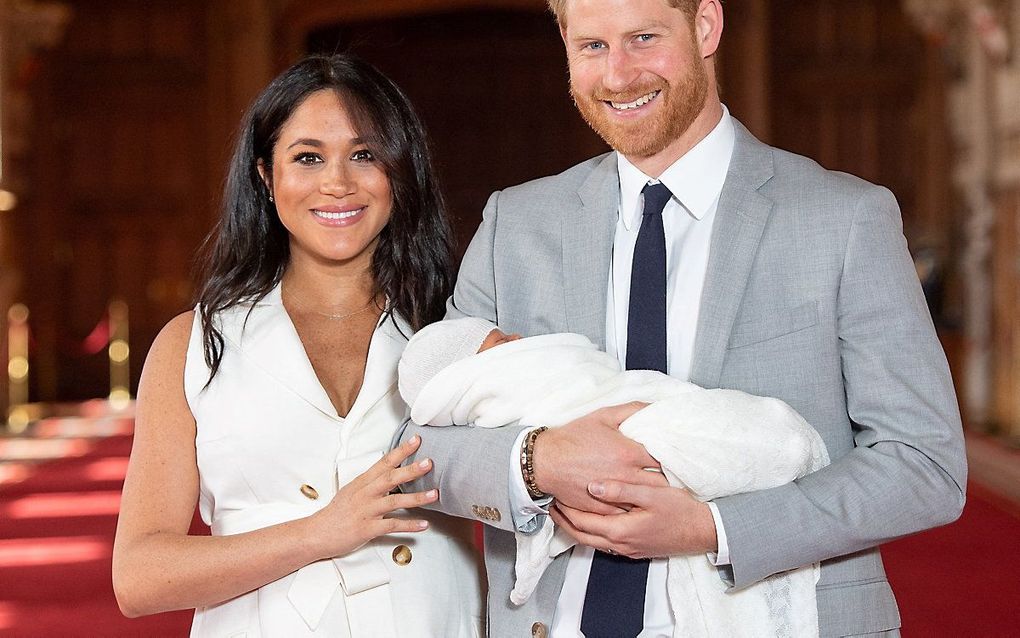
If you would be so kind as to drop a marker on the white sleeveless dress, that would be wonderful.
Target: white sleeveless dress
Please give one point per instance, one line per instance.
(271, 448)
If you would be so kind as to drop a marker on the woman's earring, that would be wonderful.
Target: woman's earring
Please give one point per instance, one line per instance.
(271, 199)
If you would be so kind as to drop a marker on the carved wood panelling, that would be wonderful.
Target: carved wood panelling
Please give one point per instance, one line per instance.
(298, 18)
(1004, 409)
(850, 89)
(119, 175)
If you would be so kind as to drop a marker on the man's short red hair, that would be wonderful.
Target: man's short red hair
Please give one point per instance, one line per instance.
(689, 7)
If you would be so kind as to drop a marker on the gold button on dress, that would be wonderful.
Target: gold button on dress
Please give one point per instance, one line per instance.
(401, 554)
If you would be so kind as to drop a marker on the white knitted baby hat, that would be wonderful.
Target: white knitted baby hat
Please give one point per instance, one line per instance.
(435, 347)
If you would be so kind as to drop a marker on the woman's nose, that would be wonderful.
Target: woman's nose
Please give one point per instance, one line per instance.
(337, 181)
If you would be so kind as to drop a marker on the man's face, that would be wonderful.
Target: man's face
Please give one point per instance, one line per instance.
(636, 72)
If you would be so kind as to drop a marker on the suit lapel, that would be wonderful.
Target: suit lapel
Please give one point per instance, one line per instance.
(587, 235)
(740, 221)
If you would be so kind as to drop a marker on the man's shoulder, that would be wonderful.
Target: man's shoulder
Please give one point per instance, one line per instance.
(798, 172)
(793, 174)
(786, 173)
(820, 200)
(561, 184)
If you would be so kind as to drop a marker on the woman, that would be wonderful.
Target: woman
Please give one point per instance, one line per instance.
(273, 405)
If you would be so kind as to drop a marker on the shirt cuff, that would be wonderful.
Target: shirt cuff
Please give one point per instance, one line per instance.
(722, 556)
(524, 510)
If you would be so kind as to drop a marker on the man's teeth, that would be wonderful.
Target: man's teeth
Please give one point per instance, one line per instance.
(641, 101)
(344, 215)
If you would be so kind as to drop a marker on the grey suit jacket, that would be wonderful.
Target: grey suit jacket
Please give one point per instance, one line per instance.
(811, 297)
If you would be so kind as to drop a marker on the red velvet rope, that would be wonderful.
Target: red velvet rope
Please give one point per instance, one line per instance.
(92, 344)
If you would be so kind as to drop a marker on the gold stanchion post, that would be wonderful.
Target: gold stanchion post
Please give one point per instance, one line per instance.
(17, 368)
(120, 356)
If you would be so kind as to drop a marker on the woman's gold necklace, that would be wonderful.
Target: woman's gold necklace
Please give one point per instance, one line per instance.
(335, 317)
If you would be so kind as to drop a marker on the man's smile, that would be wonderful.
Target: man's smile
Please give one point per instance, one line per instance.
(641, 101)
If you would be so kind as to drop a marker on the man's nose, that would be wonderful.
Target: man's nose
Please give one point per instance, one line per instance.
(620, 70)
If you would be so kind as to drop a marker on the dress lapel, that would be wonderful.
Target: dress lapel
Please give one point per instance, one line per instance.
(267, 338)
(587, 232)
(270, 341)
(388, 342)
(739, 224)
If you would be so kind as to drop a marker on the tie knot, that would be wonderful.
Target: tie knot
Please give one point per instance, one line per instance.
(656, 196)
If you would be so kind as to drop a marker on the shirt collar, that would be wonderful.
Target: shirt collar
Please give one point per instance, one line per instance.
(695, 179)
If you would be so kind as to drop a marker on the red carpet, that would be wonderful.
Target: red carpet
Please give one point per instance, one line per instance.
(962, 579)
(57, 521)
(56, 534)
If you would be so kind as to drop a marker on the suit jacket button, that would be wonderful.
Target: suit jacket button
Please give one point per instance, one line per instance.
(401, 554)
(309, 492)
(538, 630)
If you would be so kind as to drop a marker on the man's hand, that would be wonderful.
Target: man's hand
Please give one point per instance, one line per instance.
(659, 521)
(570, 457)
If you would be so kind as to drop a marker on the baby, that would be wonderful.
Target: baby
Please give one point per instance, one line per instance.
(711, 442)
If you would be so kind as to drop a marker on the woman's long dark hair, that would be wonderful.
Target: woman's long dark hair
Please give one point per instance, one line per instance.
(246, 254)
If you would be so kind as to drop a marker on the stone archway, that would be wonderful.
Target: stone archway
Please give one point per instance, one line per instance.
(982, 64)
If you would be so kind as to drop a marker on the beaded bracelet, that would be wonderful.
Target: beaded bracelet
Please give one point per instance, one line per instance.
(528, 463)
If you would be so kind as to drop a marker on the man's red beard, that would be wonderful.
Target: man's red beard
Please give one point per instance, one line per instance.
(647, 136)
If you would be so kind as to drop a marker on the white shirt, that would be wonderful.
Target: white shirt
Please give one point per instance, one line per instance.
(696, 181)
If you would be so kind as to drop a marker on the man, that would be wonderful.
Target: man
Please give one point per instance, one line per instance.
(697, 250)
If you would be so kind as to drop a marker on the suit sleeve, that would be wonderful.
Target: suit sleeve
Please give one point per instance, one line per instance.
(470, 464)
(907, 470)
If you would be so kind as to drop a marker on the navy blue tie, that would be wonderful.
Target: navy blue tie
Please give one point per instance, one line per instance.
(614, 605)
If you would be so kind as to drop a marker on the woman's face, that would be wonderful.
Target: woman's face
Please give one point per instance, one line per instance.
(331, 194)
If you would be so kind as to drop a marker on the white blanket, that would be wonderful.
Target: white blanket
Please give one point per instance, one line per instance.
(710, 442)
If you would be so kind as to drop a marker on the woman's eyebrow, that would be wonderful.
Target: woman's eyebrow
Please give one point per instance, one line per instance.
(306, 141)
(311, 141)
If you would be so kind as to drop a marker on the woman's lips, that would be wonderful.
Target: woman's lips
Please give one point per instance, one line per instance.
(337, 216)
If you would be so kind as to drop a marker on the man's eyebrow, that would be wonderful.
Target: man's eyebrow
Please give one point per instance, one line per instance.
(650, 26)
(654, 25)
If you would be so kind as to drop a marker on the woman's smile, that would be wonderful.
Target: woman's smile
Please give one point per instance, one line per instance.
(339, 216)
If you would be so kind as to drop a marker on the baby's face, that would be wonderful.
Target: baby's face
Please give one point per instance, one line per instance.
(495, 338)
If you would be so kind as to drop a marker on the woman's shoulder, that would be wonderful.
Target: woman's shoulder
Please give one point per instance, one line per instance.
(168, 353)
(175, 335)
(179, 351)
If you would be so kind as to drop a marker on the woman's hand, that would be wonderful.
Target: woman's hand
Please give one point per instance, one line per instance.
(358, 512)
